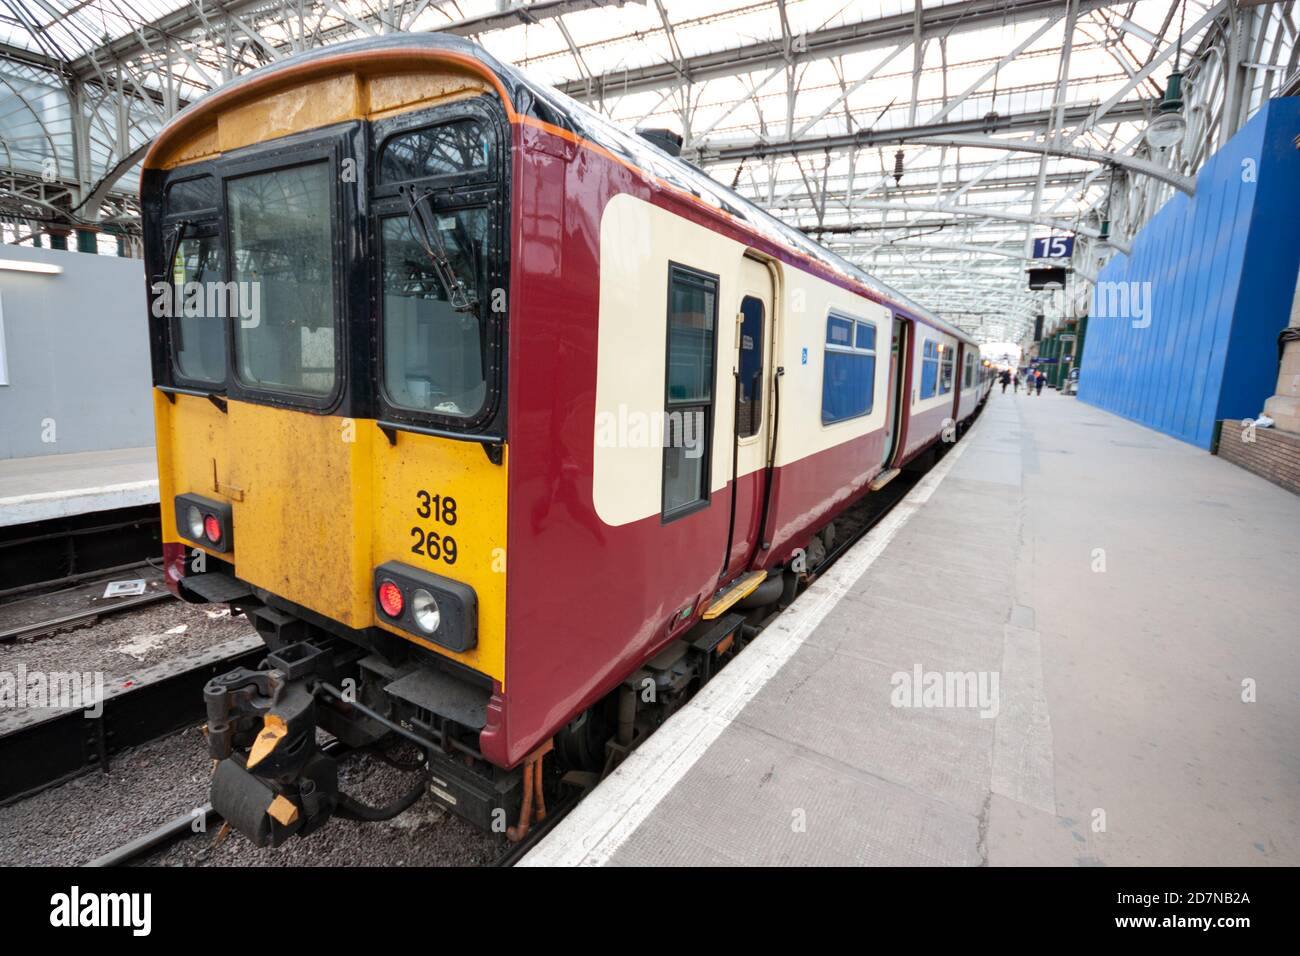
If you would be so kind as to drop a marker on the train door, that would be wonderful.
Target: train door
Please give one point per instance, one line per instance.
(894, 421)
(751, 366)
(959, 381)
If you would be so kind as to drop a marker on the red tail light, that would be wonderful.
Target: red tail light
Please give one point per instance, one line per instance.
(175, 566)
(212, 528)
(391, 600)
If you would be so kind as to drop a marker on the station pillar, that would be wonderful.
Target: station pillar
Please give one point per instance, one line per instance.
(88, 239)
(58, 238)
(1284, 406)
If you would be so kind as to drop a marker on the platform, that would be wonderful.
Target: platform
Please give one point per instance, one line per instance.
(1124, 587)
(61, 486)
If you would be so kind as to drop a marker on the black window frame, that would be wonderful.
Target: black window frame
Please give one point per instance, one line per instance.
(336, 143)
(291, 157)
(489, 188)
(754, 406)
(480, 108)
(702, 278)
(946, 350)
(200, 222)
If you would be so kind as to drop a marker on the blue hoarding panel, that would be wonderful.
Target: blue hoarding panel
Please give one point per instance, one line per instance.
(1183, 331)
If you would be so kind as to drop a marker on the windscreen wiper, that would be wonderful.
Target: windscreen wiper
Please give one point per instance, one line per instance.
(173, 243)
(424, 223)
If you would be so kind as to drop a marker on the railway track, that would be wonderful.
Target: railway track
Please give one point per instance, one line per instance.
(54, 553)
(42, 747)
(86, 602)
(183, 827)
(56, 571)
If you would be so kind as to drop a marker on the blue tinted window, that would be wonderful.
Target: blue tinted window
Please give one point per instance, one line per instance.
(751, 365)
(929, 368)
(849, 369)
(839, 331)
(848, 384)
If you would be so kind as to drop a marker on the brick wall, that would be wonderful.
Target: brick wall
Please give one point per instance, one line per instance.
(1273, 454)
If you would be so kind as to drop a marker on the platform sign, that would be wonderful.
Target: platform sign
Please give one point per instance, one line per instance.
(1054, 247)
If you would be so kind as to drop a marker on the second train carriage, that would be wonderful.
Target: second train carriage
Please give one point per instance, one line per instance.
(512, 417)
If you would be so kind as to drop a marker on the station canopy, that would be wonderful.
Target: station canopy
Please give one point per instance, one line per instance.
(929, 141)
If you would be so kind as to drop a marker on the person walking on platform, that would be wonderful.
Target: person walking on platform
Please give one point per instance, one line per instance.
(1038, 384)
(1015, 382)
(1005, 379)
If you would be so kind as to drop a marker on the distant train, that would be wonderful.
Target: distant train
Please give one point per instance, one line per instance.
(502, 426)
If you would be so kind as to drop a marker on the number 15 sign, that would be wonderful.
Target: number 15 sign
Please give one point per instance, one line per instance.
(1054, 247)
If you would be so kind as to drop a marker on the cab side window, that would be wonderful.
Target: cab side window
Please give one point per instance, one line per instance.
(947, 359)
(688, 400)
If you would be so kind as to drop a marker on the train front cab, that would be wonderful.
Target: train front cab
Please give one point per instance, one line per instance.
(329, 436)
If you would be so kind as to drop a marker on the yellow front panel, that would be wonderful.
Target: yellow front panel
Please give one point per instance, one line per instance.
(413, 481)
(319, 502)
(302, 530)
(310, 106)
(192, 436)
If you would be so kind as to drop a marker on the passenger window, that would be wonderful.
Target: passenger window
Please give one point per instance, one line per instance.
(688, 405)
(461, 146)
(281, 239)
(435, 358)
(947, 359)
(929, 367)
(199, 308)
(750, 367)
(848, 369)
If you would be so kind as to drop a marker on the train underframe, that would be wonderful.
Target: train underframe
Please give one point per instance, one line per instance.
(373, 691)
(370, 690)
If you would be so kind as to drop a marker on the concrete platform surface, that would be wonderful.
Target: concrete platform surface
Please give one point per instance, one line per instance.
(59, 486)
(1103, 621)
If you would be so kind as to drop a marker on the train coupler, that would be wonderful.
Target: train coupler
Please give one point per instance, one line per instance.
(271, 780)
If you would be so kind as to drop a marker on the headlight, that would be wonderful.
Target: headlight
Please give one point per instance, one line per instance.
(436, 609)
(425, 611)
(205, 521)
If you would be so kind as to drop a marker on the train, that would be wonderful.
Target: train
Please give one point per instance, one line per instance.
(502, 424)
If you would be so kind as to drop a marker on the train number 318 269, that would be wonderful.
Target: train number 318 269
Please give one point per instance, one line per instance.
(435, 545)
